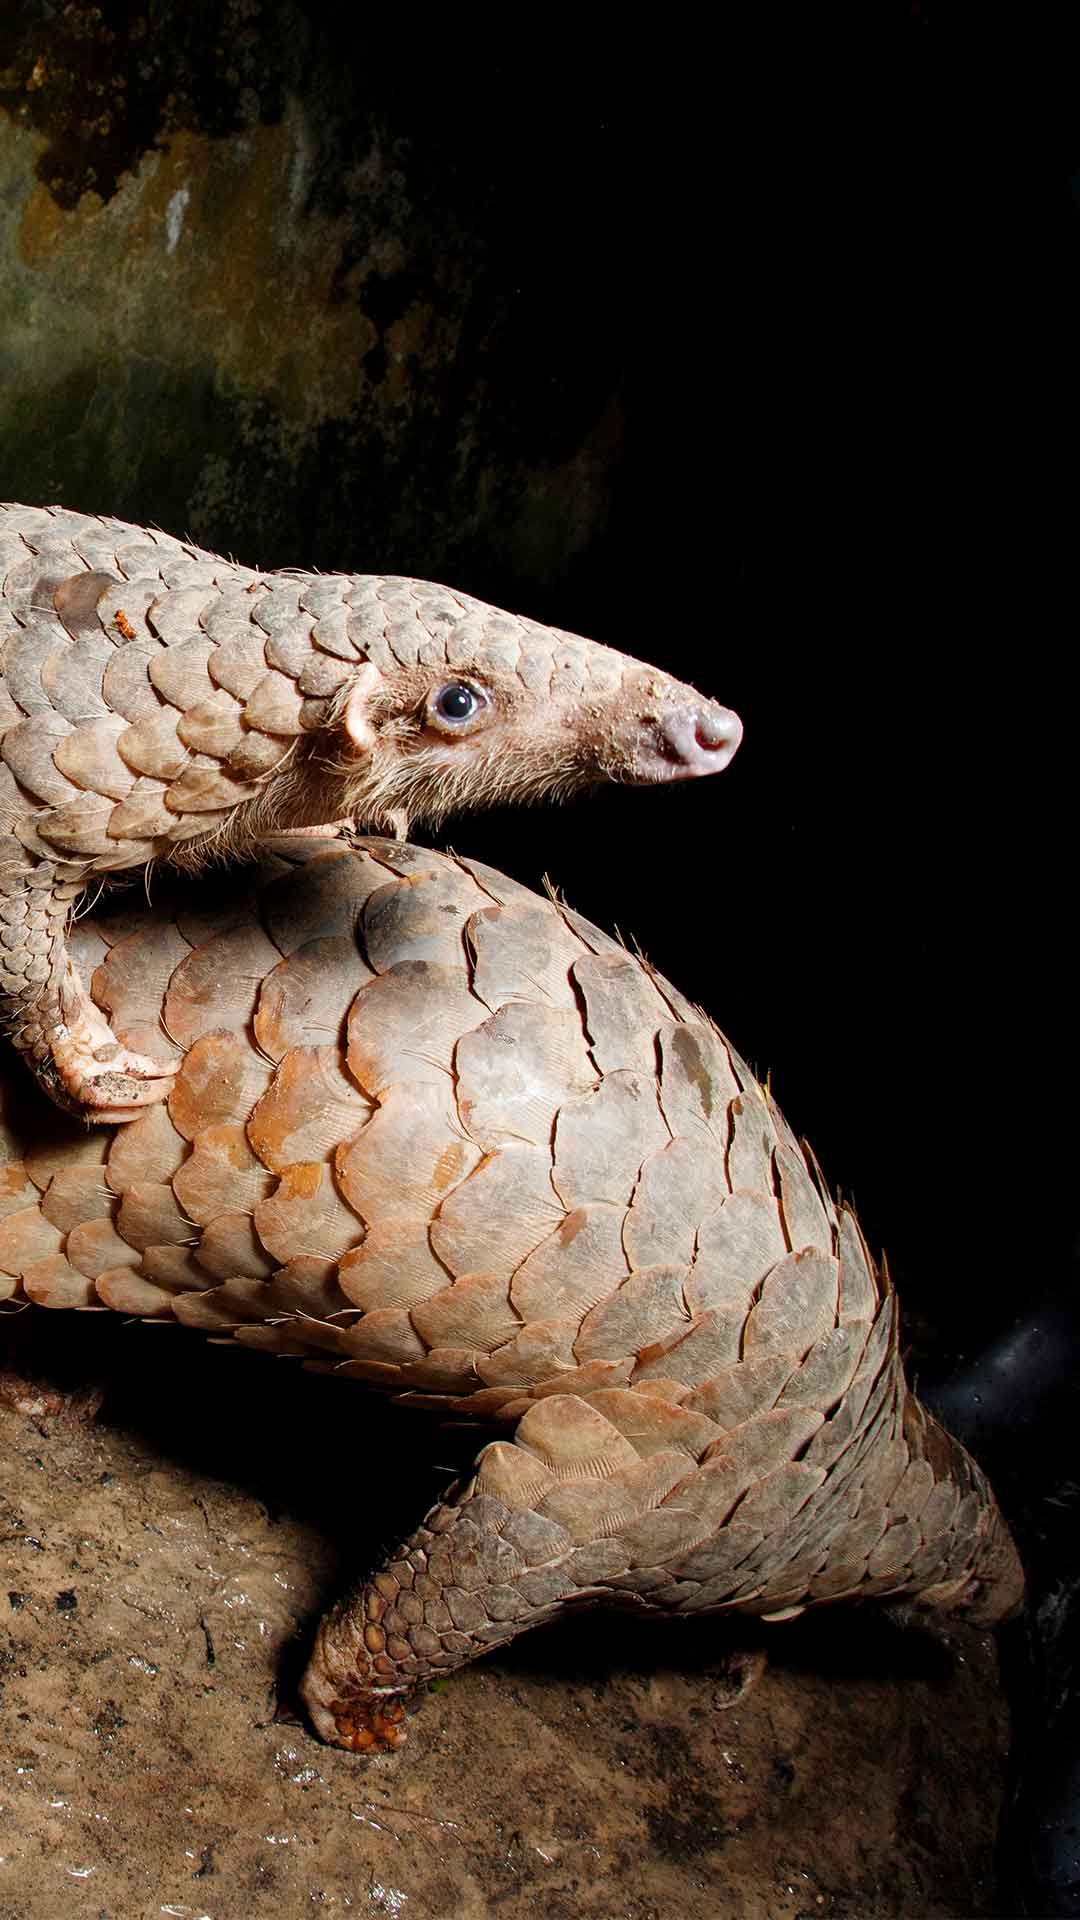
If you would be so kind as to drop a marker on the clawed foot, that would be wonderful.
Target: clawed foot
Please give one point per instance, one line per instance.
(371, 1723)
(343, 1706)
(87, 1071)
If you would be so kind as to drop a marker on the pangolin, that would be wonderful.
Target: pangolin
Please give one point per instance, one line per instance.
(431, 1131)
(157, 702)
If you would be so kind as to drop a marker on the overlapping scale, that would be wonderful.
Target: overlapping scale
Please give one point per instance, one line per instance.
(398, 1148)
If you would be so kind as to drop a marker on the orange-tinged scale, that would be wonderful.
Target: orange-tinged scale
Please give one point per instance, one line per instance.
(649, 1306)
(217, 1310)
(95, 1246)
(652, 1425)
(513, 1476)
(142, 815)
(598, 1509)
(220, 1175)
(17, 1190)
(411, 1148)
(500, 1213)
(217, 985)
(711, 1344)
(568, 1437)
(305, 1000)
(582, 1380)
(53, 1282)
(306, 1215)
(581, 1263)
(220, 1080)
(309, 1108)
(24, 1237)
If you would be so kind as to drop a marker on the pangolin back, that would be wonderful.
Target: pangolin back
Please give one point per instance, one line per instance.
(438, 1134)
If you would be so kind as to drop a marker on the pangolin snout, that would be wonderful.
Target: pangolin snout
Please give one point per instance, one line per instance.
(696, 740)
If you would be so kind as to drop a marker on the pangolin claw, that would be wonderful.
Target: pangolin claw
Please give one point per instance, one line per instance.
(371, 1723)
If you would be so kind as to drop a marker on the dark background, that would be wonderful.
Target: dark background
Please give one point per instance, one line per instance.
(812, 303)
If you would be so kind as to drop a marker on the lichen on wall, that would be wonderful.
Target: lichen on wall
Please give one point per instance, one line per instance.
(262, 283)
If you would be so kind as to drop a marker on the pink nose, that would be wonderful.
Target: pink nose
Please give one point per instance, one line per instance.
(702, 739)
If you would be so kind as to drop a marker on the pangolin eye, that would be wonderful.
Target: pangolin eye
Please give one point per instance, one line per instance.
(457, 702)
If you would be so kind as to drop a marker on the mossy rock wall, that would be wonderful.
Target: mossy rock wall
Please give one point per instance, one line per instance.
(315, 292)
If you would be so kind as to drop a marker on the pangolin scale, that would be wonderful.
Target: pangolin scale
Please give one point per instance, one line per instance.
(158, 702)
(434, 1132)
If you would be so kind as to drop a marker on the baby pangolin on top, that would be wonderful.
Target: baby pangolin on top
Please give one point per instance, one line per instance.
(159, 702)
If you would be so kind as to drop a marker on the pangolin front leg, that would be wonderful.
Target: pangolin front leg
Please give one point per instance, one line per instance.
(47, 1012)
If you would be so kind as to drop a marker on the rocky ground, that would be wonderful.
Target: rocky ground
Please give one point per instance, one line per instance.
(160, 1571)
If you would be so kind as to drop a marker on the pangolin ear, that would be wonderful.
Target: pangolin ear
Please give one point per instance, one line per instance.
(357, 710)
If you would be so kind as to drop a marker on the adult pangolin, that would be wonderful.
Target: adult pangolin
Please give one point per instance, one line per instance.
(157, 702)
(436, 1133)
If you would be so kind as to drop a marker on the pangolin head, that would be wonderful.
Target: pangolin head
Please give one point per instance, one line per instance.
(461, 706)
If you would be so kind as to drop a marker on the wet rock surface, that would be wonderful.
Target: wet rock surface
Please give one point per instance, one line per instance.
(162, 1568)
(268, 279)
